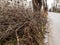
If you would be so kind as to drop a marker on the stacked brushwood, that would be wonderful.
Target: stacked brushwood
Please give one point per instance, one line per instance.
(24, 26)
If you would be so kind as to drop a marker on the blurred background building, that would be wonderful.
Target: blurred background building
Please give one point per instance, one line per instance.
(55, 6)
(58, 4)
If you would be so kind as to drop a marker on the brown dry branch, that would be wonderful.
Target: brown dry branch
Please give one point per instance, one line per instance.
(22, 25)
(17, 37)
(9, 31)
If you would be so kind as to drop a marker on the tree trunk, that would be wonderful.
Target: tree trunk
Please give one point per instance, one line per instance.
(37, 5)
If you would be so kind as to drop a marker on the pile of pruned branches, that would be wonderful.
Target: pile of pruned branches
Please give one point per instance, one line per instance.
(23, 27)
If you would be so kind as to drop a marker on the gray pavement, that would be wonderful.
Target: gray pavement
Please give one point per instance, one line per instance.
(54, 35)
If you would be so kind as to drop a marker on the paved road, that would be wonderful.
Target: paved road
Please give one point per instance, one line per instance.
(54, 35)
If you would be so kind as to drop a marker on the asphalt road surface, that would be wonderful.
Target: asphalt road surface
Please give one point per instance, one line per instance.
(54, 35)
